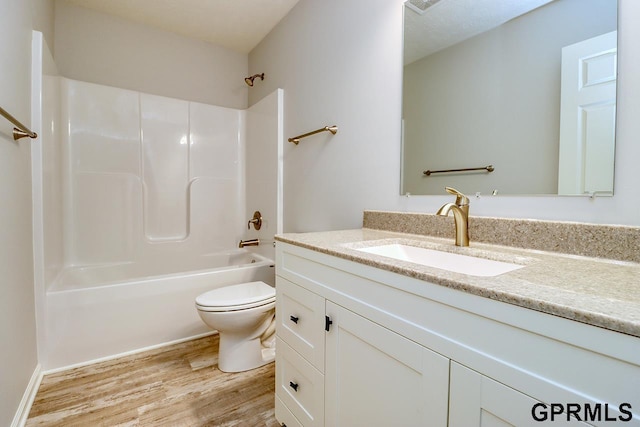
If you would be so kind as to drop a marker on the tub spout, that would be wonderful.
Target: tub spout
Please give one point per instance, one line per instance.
(252, 242)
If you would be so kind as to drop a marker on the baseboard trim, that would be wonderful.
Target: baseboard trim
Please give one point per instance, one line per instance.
(20, 418)
(127, 353)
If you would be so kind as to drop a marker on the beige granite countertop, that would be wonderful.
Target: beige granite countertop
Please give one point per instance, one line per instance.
(597, 291)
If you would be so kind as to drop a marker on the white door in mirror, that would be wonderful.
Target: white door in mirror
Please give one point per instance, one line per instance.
(588, 116)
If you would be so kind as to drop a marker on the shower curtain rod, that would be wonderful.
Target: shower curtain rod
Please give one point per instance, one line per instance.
(20, 130)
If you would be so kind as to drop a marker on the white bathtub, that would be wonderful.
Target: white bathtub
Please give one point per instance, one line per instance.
(101, 311)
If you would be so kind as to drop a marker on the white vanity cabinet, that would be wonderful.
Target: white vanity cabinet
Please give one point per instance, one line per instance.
(477, 400)
(375, 377)
(354, 372)
(401, 351)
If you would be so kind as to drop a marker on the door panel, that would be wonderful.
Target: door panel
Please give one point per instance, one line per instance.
(375, 377)
(588, 116)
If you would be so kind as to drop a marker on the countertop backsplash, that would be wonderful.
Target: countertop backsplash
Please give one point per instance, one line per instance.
(613, 242)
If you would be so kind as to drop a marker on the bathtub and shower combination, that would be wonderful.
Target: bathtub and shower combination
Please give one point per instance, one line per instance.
(96, 312)
(143, 202)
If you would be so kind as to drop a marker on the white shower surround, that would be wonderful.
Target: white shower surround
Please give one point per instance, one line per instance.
(148, 178)
(148, 191)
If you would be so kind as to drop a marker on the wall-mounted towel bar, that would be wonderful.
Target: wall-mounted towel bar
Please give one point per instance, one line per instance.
(296, 139)
(20, 130)
(489, 168)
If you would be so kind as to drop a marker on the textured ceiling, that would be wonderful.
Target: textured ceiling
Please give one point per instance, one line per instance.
(451, 21)
(235, 24)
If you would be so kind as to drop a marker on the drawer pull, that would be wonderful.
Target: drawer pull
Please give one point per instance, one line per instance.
(294, 319)
(293, 385)
(327, 323)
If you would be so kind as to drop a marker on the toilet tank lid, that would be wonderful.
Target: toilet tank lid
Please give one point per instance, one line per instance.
(240, 294)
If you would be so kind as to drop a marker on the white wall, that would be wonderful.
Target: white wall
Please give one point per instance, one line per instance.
(97, 48)
(340, 63)
(18, 358)
(43, 19)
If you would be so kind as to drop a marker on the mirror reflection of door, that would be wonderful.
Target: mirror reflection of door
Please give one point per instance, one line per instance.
(588, 116)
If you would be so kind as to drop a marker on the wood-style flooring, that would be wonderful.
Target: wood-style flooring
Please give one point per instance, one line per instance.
(179, 385)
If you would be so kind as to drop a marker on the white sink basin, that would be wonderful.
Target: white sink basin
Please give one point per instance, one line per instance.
(443, 260)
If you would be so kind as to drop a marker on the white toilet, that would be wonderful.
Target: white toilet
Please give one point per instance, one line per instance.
(244, 316)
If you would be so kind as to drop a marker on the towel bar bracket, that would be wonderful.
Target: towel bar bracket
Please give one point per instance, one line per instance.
(18, 134)
(20, 130)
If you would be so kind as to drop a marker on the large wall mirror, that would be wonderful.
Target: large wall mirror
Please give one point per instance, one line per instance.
(521, 91)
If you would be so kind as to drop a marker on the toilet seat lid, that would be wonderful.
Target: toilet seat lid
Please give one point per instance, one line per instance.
(243, 294)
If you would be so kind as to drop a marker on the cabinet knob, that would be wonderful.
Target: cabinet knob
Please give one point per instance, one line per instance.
(293, 385)
(294, 319)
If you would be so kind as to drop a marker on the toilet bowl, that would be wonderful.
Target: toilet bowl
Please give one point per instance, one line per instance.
(244, 316)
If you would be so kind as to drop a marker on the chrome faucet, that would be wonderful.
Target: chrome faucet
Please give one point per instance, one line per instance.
(460, 211)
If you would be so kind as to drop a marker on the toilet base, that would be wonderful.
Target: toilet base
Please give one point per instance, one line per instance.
(244, 332)
(237, 354)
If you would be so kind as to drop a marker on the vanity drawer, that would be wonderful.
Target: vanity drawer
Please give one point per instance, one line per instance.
(284, 415)
(300, 321)
(299, 386)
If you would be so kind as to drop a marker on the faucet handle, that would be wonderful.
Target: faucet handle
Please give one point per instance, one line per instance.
(256, 221)
(461, 199)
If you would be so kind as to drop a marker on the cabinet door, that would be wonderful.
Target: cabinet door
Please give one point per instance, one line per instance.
(477, 400)
(375, 377)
